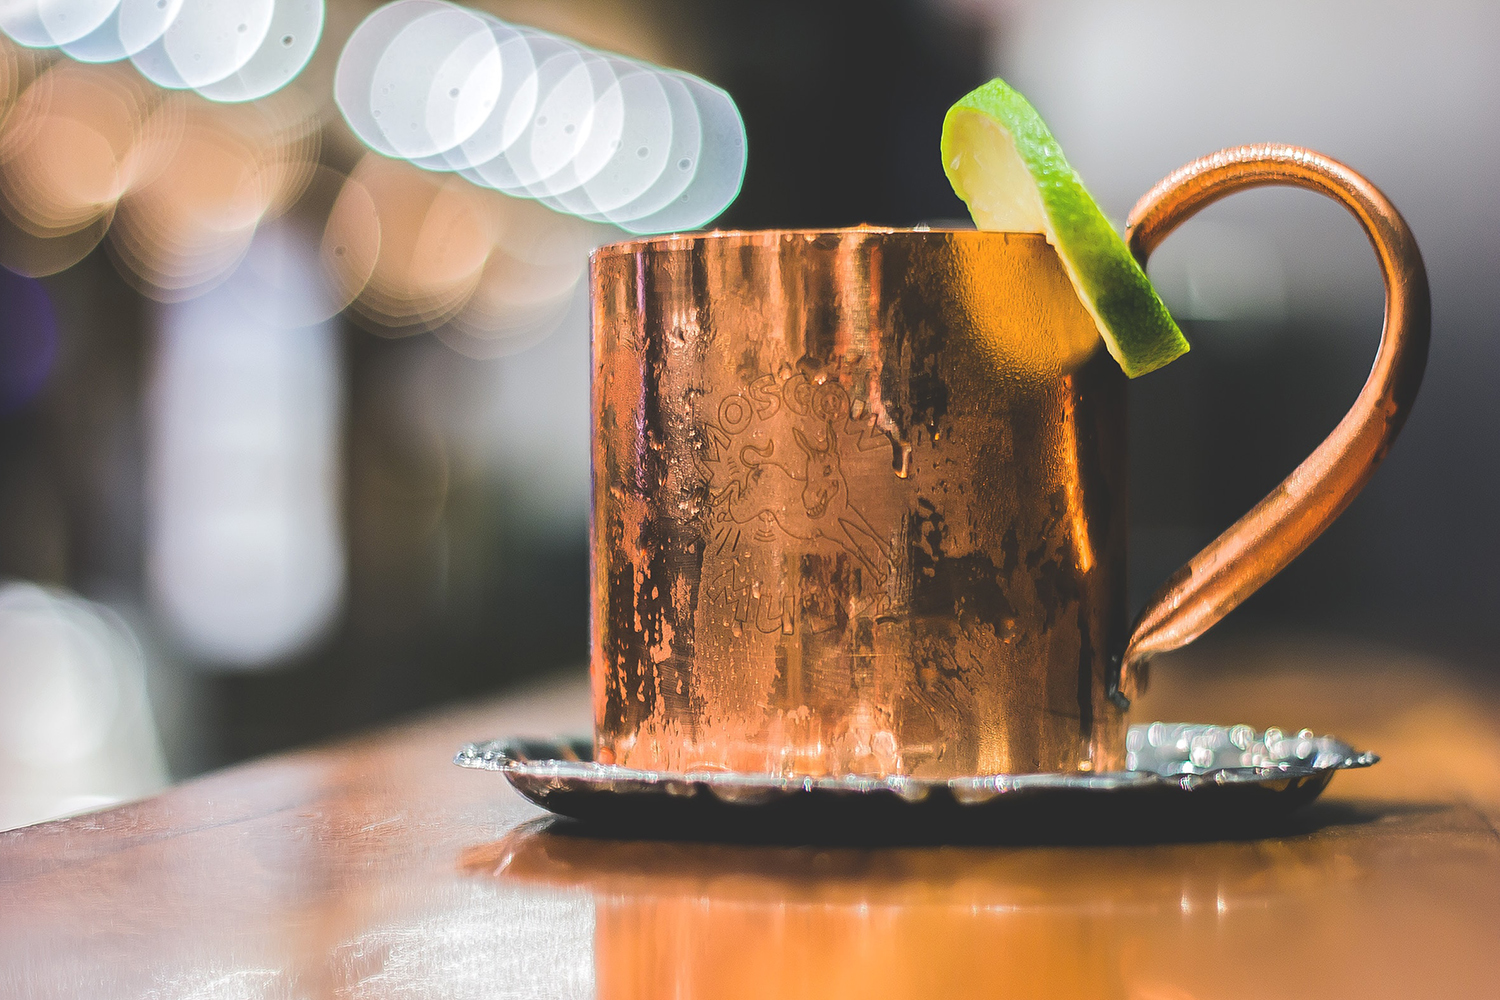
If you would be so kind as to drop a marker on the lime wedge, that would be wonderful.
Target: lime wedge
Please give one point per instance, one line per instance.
(1005, 164)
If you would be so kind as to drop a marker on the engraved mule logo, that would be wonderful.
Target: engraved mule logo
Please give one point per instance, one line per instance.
(776, 460)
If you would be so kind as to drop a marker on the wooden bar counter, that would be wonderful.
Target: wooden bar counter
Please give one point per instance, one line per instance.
(374, 868)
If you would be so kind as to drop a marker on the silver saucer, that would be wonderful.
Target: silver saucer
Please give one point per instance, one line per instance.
(1182, 781)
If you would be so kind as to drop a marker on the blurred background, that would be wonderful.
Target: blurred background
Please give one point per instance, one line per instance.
(239, 515)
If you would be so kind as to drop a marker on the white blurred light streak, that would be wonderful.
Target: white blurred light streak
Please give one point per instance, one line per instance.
(245, 552)
(76, 730)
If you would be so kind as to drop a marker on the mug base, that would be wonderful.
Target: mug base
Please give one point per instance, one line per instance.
(1181, 782)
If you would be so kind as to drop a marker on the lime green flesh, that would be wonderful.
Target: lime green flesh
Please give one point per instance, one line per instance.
(1005, 165)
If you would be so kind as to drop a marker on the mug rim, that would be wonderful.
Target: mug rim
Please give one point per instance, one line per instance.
(768, 237)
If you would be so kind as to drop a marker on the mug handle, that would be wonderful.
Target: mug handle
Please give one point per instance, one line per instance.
(1261, 544)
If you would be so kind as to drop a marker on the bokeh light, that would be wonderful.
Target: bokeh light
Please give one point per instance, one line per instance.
(537, 116)
(76, 728)
(483, 246)
(290, 40)
(227, 50)
(178, 183)
(286, 279)
(71, 147)
(529, 281)
(217, 174)
(490, 274)
(435, 235)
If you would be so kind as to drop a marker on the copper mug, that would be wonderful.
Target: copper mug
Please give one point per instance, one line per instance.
(859, 495)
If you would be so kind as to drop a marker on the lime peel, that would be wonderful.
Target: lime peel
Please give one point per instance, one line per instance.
(1003, 161)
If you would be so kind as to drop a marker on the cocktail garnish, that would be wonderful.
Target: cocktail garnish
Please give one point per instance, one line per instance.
(1005, 164)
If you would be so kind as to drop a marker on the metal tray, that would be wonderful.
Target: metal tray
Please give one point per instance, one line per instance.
(1183, 781)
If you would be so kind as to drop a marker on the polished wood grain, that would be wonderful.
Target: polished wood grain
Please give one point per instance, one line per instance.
(376, 869)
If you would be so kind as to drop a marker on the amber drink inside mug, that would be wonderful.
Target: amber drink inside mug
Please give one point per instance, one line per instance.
(859, 495)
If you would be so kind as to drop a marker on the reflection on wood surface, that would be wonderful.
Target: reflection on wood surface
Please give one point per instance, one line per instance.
(376, 869)
(1317, 909)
